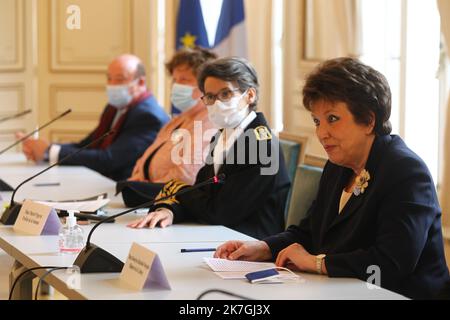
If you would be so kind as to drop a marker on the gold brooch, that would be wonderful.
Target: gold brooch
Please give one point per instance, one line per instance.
(262, 133)
(361, 182)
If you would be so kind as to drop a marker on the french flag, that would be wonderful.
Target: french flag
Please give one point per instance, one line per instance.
(231, 35)
(191, 31)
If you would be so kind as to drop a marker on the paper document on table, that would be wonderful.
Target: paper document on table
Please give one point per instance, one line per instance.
(231, 275)
(234, 270)
(223, 265)
(283, 276)
(82, 206)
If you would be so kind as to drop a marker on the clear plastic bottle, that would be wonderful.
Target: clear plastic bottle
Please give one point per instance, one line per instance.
(71, 239)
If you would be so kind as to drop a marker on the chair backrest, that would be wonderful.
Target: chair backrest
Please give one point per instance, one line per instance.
(303, 192)
(291, 152)
(301, 140)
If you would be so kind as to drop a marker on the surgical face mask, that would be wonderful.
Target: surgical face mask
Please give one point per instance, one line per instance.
(119, 95)
(228, 114)
(181, 97)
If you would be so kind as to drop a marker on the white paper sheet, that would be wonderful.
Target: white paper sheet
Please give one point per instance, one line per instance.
(284, 275)
(223, 265)
(236, 270)
(82, 206)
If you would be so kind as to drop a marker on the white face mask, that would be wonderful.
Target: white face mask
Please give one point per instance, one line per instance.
(228, 114)
(181, 97)
(119, 95)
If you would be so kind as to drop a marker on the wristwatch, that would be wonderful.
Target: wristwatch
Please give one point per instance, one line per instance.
(319, 261)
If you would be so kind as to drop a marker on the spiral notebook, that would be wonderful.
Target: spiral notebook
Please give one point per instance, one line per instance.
(223, 265)
(236, 269)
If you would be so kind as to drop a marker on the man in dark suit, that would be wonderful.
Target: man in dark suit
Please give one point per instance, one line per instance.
(376, 216)
(132, 113)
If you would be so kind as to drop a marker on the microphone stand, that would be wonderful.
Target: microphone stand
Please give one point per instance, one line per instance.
(11, 213)
(37, 130)
(93, 259)
(17, 115)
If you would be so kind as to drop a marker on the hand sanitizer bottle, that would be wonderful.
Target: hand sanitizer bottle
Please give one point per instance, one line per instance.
(71, 236)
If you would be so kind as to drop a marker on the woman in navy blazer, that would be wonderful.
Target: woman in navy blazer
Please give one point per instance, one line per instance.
(376, 216)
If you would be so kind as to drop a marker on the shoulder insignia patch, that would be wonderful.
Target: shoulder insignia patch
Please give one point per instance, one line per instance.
(172, 187)
(262, 133)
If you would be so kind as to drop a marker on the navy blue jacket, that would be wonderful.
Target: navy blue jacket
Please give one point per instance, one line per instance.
(395, 225)
(253, 197)
(142, 124)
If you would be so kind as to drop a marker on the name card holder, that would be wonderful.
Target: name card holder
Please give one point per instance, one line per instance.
(143, 269)
(37, 219)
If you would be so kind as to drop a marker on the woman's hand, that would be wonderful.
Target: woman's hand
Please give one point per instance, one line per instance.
(295, 257)
(163, 217)
(240, 250)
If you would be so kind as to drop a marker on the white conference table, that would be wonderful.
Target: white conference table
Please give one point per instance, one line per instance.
(186, 272)
(75, 182)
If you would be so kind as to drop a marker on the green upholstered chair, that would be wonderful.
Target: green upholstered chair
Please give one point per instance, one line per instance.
(303, 192)
(291, 152)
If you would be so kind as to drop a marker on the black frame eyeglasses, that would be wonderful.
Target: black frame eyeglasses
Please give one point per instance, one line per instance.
(224, 95)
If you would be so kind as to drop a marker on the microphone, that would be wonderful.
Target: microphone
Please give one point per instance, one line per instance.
(15, 116)
(10, 214)
(93, 259)
(37, 130)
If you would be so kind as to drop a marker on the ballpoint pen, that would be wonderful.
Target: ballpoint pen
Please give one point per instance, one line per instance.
(49, 184)
(198, 250)
(36, 134)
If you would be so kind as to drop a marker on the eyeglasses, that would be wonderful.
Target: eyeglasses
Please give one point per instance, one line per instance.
(224, 95)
